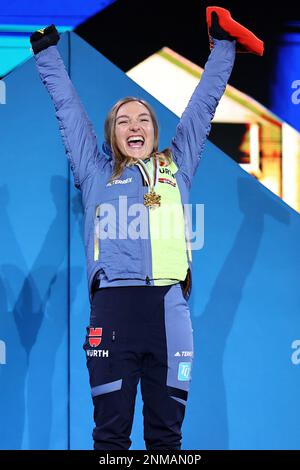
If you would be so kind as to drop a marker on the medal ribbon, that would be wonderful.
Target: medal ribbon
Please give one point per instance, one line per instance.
(146, 175)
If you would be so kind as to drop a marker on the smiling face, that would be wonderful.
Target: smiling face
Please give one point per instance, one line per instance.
(134, 130)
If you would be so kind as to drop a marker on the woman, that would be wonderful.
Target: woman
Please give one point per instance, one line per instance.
(139, 283)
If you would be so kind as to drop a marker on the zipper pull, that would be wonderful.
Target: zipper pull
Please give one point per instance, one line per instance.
(148, 280)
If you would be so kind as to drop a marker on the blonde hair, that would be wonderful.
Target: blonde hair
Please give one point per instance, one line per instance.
(120, 160)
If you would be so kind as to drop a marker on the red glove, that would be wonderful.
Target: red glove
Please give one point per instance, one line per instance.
(246, 41)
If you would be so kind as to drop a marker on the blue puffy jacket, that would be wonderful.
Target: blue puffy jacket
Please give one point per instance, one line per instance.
(123, 260)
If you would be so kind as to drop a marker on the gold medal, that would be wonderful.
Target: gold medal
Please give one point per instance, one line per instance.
(151, 199)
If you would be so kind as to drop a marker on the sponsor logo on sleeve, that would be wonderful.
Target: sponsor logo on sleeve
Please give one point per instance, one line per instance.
(184, 371)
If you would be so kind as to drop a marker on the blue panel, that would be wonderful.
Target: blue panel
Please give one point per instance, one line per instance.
(14, 51)
(15, 45)
(33, 268)
(285, 88)
(245, 303)
(20, 18)
(69, 12)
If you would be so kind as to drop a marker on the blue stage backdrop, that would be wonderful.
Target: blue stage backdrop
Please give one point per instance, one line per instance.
(245, 303)
(19, 18)
(285, 87)
(66, 12)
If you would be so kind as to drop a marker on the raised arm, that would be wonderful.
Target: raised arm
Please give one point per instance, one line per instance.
(77, 132)
(195, 123)
(226, 37)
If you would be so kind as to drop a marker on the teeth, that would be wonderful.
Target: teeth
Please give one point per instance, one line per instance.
(135, 138)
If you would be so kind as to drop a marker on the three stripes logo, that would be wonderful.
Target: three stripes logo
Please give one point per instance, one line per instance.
(95, 337)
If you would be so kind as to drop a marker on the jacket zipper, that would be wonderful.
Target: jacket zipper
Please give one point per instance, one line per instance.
(146, 257)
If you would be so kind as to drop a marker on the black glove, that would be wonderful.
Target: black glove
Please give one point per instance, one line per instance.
(43, 38)
(216, 31)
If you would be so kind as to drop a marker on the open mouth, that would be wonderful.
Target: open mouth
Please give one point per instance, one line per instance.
(136, 141)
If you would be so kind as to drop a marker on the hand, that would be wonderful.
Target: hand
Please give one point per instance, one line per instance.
(43, 38)
(231, 30)
(215, 31)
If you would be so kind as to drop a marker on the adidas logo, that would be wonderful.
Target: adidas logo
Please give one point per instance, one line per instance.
(184, 354)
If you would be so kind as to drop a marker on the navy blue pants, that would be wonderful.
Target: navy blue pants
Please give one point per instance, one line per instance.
(139, 333)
